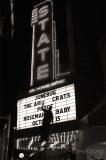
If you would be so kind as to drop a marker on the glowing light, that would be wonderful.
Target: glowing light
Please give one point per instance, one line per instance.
(57, 141)
(21, 155)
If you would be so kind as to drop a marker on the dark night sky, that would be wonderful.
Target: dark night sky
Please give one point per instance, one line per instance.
(88, 28)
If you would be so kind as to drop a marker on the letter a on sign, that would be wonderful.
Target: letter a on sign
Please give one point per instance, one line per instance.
(43, 40)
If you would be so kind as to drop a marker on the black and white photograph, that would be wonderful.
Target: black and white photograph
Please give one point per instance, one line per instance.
(52, 80)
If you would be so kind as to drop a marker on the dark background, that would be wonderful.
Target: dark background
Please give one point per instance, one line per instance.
(81, 30)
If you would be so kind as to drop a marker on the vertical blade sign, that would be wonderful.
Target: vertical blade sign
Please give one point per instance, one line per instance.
(42, 44)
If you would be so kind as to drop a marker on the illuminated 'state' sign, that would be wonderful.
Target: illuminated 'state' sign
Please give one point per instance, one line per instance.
(62, 100)
(42, 43)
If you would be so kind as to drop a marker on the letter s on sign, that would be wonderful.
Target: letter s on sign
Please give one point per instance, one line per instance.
(43, 11)
(42, 72)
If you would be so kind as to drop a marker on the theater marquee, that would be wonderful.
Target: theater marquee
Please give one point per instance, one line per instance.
(62, 100)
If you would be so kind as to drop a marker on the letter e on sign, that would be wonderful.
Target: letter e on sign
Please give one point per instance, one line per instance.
(42, 72)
